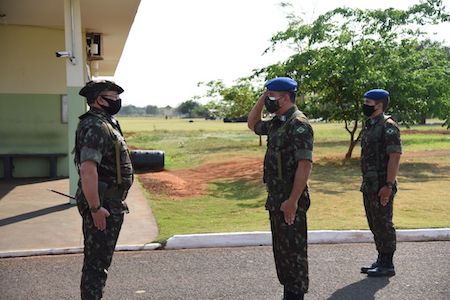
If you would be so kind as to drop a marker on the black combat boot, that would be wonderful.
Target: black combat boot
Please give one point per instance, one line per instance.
(385, 269)
(373, 266)
(292, 296)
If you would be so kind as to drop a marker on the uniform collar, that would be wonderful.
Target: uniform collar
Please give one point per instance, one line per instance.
(376, 119)
(101, 113)
(284, 117)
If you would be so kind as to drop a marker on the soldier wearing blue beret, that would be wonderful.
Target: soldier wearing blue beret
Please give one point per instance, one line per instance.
(380, 159)
(287, 166)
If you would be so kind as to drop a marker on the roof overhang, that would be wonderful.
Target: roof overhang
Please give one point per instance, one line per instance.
(112, 18)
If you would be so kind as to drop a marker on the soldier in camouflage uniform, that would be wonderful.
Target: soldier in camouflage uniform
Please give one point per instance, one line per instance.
(287, 166)
(106, 174)
(380, 159)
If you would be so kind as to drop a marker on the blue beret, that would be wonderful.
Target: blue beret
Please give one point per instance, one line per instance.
(282, 84)
(376, 94)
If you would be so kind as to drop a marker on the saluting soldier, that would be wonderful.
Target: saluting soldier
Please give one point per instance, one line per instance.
(380, 160)
(287, 166)
(106, 174)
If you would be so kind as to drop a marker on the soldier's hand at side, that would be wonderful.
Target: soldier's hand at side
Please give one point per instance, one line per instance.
(385, 195)
(99, 218)
(289, 208)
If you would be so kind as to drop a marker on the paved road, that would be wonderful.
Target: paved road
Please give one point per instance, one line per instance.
(423, 272)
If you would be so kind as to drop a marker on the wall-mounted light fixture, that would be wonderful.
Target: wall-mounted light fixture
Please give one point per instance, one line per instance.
(67, 54)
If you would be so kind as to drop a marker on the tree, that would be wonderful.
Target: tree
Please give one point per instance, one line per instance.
(348, 51)
(200, 111)
(151, 110)
(234, 101)
(187, 108)
(129, 110)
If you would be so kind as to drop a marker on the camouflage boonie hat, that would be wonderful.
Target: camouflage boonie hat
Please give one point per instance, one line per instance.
(93, 88)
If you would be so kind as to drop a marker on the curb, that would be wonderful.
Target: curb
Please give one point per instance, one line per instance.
(73, 250)
(263, 238)
(257, 238)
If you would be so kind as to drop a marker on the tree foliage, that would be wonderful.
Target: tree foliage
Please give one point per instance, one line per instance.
(346, 52)
(131, 110)
(233, 101)
(193, 109)
(152, 110)
(187, 108)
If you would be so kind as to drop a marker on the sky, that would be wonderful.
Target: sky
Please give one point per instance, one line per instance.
(174, 44)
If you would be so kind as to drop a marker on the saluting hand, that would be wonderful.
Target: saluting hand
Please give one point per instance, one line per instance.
(289, 208)
(99, 218)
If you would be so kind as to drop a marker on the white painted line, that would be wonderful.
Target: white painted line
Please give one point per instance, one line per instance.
(339, 236)
(422, 235)
(34, 252)
(263, 238)
(72, 250)
(151, 246)
(231, 239)
(258, 238)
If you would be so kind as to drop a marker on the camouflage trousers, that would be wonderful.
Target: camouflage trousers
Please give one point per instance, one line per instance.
(98, 251)
(289, 243)
(380, 222)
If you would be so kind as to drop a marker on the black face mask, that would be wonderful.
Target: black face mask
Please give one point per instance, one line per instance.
(114, 105)
(368, 110)
(271, 105)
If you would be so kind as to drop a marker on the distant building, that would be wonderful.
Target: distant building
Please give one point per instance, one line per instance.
(168, 111)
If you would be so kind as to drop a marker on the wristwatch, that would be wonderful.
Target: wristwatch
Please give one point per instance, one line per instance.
(389, 184)
(94, 209)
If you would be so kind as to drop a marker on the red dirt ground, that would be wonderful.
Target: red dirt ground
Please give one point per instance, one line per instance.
(187, 183)
(426, 153)
(414, 131)
(181, 184)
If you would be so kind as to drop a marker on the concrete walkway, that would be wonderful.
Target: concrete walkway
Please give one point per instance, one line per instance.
(31, 218)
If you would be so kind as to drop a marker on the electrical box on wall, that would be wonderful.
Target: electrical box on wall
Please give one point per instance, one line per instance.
(94, 46)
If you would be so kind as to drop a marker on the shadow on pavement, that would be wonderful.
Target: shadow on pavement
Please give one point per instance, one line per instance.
(363, 289)
(7, 185)
(34, 214)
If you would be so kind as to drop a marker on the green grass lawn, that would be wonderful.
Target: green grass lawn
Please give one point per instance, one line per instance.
(238, 205)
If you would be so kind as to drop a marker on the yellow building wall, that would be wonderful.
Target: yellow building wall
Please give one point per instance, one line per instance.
(28, 62)
(32, 80)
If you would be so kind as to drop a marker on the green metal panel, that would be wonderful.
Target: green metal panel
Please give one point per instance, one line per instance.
(32, 123)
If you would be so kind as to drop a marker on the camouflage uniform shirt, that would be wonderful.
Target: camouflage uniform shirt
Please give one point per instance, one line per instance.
(96, 139)
(290, 139)
(379, 138)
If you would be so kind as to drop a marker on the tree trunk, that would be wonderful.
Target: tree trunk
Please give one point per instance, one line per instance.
(423, 120)
(352, 145)
(353, 141)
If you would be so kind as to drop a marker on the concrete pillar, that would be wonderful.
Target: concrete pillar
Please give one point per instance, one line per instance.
(76, 78)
